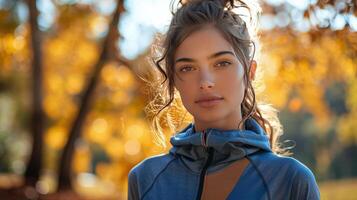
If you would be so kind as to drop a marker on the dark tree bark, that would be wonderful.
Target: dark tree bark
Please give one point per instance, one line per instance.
(108, 47)
(34, 165)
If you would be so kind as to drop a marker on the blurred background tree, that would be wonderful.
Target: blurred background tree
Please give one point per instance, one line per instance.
(93, 127)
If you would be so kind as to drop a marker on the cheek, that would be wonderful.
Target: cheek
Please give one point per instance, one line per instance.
(186, 94)
(233, 86)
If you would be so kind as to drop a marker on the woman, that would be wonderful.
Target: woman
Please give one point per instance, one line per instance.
(230, 149)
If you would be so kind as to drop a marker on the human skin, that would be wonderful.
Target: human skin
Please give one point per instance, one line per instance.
(206, 67)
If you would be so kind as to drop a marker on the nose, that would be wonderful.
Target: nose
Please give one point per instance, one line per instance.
(206, 85)
(206, 81)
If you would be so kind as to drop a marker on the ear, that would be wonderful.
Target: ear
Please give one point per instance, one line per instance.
(253, 68)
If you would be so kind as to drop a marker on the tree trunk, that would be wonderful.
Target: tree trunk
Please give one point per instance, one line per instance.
(34, 165)
(64, 175)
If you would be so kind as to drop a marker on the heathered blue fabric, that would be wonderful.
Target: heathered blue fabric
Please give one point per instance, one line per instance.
(176, 175)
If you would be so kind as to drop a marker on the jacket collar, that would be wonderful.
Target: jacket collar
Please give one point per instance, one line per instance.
(228, 145)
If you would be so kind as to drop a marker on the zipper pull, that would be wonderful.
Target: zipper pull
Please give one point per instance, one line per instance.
(204, 139)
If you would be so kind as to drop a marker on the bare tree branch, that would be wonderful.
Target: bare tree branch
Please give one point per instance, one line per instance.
(64, 182)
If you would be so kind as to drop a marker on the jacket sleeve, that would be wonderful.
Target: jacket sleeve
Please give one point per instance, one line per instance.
(133, 193)
(305, 186)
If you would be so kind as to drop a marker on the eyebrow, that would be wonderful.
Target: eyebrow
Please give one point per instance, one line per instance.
(209, 57)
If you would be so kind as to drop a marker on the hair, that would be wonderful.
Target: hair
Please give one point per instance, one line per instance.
(226, 16)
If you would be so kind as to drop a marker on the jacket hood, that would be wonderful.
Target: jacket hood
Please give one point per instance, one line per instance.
(227, 145)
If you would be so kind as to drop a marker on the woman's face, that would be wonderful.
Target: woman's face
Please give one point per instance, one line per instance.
(209, 78)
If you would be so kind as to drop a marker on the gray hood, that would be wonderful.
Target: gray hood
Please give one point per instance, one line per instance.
(228, 145)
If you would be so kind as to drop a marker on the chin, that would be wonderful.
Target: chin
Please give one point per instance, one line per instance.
(209, 117)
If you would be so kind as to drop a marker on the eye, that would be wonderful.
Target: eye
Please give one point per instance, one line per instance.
(223, 64)
(186, 68)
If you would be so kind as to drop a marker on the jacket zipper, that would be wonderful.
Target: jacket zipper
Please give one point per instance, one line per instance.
(205, 167)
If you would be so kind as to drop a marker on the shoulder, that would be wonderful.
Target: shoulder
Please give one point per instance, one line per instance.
(278, 163)
(142, 175)
(280, 170)
(152, 164)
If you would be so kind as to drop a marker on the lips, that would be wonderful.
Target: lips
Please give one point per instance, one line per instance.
(204, 99)
(209, 101)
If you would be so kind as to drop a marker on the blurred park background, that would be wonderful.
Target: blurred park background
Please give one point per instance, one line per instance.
(72, 120)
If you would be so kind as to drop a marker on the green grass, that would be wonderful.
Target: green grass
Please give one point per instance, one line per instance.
(345, 189)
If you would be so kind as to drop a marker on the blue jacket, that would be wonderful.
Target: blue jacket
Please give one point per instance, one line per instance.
(221, 164)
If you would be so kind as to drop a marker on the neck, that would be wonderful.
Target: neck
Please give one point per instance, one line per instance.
(227, 123)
